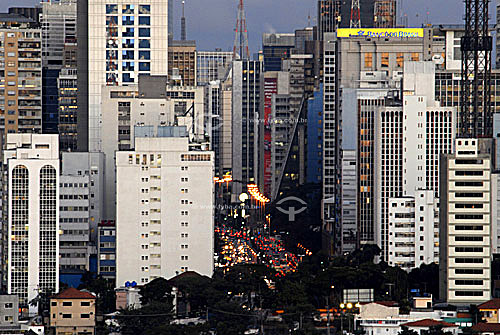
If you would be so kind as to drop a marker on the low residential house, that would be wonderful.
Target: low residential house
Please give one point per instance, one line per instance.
(423, 326)
(384, 318)
(490, 310)
(486, 328)
(72, 312)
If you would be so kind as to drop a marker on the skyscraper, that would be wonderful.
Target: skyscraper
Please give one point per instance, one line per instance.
(164, 210)
(125, 39)
(246, 100)
(32, 162)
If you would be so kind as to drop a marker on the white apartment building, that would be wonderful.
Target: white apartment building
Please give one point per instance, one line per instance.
(414, 230)
(32, 163)
(149, 104)
(468, 220)
(126, 38)
(165, 198)
(408, 142)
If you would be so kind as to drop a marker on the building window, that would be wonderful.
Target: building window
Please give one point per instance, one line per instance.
(385, 59)
(85, 316)
(400, 59)
(368, 60)
(415, 56)
(66, 316)
(144, 21)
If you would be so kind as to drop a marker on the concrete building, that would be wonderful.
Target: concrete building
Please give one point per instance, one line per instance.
(32, 165)
(58, 23)
(276, 48)
(165, 198)
(118, 40)
(68, 107)
(414, 230)
(246, 113)
(349, 192)
(385, 14)
(73, 312)
(9, 310)
(106, 250)
(212, 65)
(182, 63)
(151, 103)
(21, 100)
(467, 222)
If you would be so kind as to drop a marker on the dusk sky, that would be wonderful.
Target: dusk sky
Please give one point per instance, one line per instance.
(211, 22)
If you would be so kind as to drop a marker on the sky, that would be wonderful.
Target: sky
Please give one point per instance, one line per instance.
(211, 22)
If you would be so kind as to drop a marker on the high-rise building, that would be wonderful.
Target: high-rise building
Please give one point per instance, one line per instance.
(212, 65)
(68, 107)
(414, 230)
(385, 14)
(21, 102)
(32, 179)
(58, 23)
(328, 16)
(275, 49)
(182, 63)
(246, 111)
(467, 218)
(123, 39)
(106, 249)
(408, 142)
(140, 108)
(165, 198)
(349, 227)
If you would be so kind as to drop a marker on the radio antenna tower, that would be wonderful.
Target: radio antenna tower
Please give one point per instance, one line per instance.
(476, 119)
(241, 33)
(183, 24)
(355, 14)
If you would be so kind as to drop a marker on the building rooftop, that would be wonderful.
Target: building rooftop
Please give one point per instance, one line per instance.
(428, 323)
(486, 327)
(491, 304)
(73, 293)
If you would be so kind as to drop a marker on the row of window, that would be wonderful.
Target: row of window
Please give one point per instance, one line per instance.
(128, 9)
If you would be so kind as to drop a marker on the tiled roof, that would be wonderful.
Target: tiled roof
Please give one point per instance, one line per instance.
(487, 327)
(428, 323)
(491, 304)
(73, 293)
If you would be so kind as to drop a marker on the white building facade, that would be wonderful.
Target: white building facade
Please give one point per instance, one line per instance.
(33, 211)
(125, 38)
(414, 230)
(165, 198)
(468, 220)
(409, 140)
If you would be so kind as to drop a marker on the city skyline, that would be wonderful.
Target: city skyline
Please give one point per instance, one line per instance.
(214, 26)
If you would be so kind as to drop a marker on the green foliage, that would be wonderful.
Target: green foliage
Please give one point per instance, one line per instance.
(154, 315)
(103, 289)
(157, 290)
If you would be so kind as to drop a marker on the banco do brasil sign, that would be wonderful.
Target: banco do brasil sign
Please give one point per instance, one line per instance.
(381, 32)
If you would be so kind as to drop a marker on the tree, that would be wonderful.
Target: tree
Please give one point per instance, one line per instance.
(153, 315)
(103, 289)
(406, 331)
(157, 290)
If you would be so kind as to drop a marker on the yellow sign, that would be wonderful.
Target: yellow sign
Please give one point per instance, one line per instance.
(381, 32)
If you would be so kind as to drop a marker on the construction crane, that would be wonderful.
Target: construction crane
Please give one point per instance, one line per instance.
(241, 34)
(476, 119)
(355, 14)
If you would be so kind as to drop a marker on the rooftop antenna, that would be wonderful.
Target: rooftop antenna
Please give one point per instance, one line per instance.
(241, 33)
(183, 24)
(355, 14)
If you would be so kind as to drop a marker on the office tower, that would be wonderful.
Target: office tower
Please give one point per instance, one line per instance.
(275, 48)
(32, 165)
(106, 249)
(124, 39)
(149, 103)
(58, 23)
(212, 65)
(68, 107)
(332, 134)
(385, 14)
(498, 40)
(165, 198)
(91, 166)
(302, 36)
(348, 228)
(182, 63)
(414, 230)
(467, 212)
(246, 111)
(74, 241)
(21, 104)
(408, 142)
(31, 13)
(328, 16)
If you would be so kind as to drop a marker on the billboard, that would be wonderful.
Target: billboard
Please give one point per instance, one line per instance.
(358, 295)
(382, 32)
